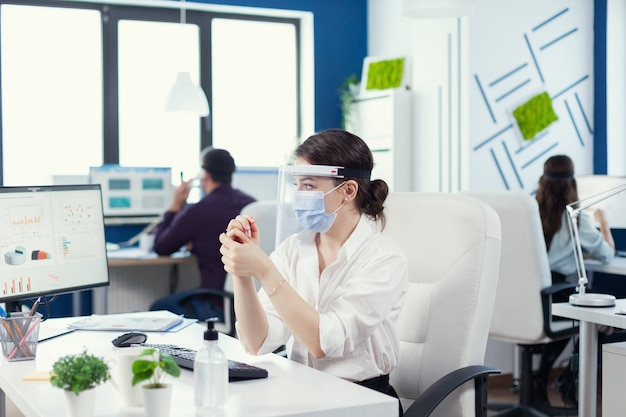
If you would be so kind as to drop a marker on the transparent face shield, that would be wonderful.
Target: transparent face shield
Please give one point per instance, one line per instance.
(302, 182)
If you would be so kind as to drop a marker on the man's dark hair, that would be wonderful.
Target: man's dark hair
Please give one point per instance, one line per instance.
(219, 164)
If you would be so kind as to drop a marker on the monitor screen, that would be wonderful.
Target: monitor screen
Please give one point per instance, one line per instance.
(52, 240)
(260, 182)
(133, 191)
(595, 188)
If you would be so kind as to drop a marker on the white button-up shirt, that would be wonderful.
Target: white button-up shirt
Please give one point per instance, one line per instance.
(359, 297)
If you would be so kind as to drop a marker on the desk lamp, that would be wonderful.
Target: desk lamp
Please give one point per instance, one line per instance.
(583, 299)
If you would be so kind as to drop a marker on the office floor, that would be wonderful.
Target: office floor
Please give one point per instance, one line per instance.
(500, 392)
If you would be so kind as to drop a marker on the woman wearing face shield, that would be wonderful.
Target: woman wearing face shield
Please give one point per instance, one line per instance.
(333, 291)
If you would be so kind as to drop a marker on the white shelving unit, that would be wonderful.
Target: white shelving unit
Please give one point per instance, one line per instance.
(613, 371)
(383, 120)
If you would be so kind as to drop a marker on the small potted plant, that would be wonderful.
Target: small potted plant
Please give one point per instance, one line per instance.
(347, 94)
(153, 366)
(78, 375)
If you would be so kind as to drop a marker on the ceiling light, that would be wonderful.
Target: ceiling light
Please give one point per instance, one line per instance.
(185, 96)
(437, 8)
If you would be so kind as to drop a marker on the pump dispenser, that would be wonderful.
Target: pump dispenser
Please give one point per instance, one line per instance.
(210, 371)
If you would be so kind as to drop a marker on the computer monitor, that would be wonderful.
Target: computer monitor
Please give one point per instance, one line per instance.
(52, 240)
(260, 182)
(614, 207)
(133, 191)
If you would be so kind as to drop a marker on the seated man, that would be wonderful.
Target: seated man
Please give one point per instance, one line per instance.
(198, 226)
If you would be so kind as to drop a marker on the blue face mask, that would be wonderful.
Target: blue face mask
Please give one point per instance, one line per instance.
(311, 212)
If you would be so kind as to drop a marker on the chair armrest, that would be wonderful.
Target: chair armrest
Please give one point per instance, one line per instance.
(438, 391)
(209, 291)
(221, 293)
(546, 302)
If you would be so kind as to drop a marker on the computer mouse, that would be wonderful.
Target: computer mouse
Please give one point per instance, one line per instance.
(128, 339)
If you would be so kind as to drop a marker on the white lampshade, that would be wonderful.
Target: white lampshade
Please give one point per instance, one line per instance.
(437, 8)
(185, 96)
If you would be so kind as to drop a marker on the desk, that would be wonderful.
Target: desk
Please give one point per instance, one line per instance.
(617, 266)
(590, 318)
(291, 389)
(132, 291)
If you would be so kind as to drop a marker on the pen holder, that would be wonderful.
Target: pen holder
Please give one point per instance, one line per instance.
(18, 335)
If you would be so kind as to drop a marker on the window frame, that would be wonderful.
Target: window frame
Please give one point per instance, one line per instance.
(164, 12)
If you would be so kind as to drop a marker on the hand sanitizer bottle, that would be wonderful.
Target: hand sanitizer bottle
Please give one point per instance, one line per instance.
(210, 371)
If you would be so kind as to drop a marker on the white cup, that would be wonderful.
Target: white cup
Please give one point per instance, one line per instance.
(123, 377)
(146, 242)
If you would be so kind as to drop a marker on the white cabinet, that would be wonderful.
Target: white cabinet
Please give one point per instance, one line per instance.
(383, 120)
(613, 372)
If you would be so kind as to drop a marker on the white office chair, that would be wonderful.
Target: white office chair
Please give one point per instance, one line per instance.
(264, 212)
(453, 247)
(522, 312)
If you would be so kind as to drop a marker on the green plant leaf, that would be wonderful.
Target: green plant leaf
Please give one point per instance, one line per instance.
(143, 370)
(153, 369)
(79, 372)
(169, 365)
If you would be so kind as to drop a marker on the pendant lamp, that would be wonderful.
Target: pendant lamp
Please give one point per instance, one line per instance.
(437, 8)
(185, 96)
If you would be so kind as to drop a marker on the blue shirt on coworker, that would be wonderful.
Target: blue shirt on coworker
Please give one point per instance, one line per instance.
(561, 252)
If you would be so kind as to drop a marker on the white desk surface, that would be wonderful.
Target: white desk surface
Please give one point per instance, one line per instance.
(616, 266)
(598, 315)
(291, 389)
(590, 318)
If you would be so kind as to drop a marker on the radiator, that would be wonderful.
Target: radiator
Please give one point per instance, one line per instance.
(135, 288)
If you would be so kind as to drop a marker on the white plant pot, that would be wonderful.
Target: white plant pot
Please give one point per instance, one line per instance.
(156, 401)
(81, 405)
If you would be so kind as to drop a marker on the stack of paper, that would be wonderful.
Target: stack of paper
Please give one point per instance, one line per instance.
(148, 321)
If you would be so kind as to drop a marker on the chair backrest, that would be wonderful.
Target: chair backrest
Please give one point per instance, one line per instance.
(264, 212)
(453, 247)
(524, 268)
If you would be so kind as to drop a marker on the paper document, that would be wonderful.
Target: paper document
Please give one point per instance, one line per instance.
(148, 321)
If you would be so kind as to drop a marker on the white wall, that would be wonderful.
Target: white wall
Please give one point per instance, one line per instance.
(469, 74)
(456, 141)
(616, 78)
(547, 46)
(438, 63)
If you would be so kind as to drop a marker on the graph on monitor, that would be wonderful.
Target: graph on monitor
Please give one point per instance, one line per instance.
(52, 240)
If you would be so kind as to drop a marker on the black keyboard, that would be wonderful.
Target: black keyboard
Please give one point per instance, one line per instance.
(237, 371)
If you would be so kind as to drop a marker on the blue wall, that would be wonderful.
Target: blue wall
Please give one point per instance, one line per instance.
(340, 32)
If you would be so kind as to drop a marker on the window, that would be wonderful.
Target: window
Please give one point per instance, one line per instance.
(149, 56)
(255, 56)
(84, 84)
(52, 95)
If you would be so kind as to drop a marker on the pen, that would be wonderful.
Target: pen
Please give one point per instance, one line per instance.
(23, 340)
(34, 307)
(181, 176)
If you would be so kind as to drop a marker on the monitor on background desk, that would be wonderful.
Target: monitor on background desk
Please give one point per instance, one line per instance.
(260, 182)
(133, 191)
(52, 241)
(614, 206)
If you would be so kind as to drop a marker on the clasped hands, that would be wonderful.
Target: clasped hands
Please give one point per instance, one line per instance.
(242, 255)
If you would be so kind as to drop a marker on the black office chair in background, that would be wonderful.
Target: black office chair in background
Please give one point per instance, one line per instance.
(197, 304)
